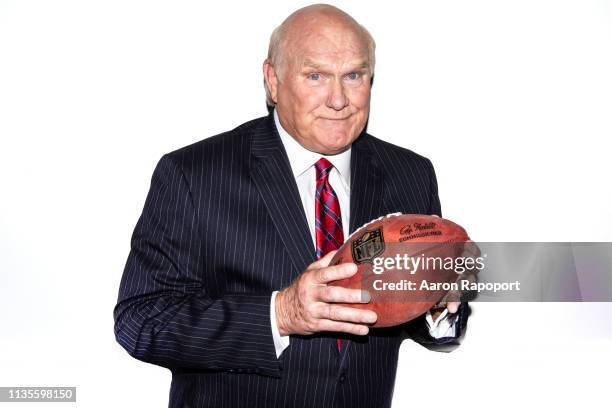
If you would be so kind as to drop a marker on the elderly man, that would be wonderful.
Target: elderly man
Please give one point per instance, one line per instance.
(226, 281)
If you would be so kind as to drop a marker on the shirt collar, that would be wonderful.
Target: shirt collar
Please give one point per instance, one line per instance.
(301, 159)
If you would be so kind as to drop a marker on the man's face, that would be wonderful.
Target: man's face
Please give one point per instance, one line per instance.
(323, 88)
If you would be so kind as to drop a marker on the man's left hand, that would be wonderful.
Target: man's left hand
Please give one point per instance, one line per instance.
(452, 300)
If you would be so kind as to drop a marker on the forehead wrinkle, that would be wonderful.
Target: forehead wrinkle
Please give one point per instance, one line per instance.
(318, 50)
(334, 40)
(336, 36)
(353, 64)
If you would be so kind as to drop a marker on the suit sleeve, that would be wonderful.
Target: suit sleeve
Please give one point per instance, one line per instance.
(418, 329)
(164, 314)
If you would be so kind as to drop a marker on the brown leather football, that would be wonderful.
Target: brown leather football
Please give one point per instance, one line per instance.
(387, 252)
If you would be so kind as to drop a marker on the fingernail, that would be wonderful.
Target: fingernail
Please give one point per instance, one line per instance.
(365, 296)
(351, 268)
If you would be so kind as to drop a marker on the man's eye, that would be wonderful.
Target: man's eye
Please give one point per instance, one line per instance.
(352, 76)
(314, 76)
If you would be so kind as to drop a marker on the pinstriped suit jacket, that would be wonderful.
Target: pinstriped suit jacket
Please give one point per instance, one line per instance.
(222, 227)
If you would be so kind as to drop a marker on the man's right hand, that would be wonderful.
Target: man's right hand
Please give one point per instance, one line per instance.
(308, 305)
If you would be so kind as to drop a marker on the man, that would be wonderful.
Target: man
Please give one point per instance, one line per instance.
(223, 285)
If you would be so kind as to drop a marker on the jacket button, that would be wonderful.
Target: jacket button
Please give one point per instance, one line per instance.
(342, 377)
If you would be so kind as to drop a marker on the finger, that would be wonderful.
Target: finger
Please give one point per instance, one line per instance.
(337, 294)
(471, 249)
(345, 314)
(324, 261)
(453, 307)
(469, 276)
(336, 272)
(344, 327)
(451, 296)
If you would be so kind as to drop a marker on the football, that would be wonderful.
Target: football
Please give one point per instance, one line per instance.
(407, 262)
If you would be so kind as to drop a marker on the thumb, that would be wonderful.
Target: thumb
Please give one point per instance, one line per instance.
(324, 261)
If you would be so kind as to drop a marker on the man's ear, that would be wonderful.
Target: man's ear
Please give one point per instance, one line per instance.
(271, 79)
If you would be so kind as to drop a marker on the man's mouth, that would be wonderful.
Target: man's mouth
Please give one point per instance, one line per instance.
(337, 119)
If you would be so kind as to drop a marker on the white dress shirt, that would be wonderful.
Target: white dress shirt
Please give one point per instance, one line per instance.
(302, 163)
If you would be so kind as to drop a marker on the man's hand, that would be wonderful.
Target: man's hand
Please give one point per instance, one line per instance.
(452, 299)
(307, 305)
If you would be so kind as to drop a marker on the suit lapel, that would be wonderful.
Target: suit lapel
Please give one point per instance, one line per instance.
(366, 184)
(271, 173)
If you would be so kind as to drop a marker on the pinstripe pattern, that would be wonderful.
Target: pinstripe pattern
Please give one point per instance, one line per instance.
(328, 225)
(222, 227)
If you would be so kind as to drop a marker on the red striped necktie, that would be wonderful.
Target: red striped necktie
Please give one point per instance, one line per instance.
(328, 219)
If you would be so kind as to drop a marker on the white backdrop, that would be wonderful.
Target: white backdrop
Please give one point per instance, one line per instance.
(512, 101)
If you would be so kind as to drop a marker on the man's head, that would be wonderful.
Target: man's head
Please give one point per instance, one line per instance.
(318, 75)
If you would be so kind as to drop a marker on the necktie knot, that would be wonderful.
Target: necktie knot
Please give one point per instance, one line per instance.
(323, 167)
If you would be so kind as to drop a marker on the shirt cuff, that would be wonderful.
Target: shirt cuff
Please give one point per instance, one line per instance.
(280, 342)
(444, 326)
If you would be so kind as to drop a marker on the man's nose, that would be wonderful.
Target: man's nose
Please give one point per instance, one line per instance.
(337, 99)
